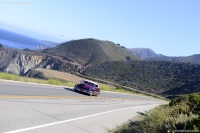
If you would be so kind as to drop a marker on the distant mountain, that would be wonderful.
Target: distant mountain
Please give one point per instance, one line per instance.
(150, 55)
(90, 51)
(18, 41)
(143, 53)
(192, 59)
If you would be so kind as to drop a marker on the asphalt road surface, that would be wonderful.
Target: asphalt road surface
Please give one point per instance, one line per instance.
(43, 108)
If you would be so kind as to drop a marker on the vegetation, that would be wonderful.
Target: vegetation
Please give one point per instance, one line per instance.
(160, 77)
(181, 114)
(1, 45)
(35, 74)
(51, 81)
(117, 89)
(26, 49)
(90, 51)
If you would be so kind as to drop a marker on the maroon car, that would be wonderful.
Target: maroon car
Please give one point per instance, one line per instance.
(88, 87)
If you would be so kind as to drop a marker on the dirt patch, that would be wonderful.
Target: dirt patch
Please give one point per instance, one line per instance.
(62, 75)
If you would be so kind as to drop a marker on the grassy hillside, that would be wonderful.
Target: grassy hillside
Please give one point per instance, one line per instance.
(90, 51)
(52, 81)
(158, 77)
(181, 114)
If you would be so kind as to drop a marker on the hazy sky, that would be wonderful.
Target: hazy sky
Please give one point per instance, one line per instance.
(170, 27)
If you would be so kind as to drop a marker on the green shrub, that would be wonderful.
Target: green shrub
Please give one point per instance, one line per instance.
(54, 82)
(103, 87)
(189, 102)
(14, 77)
(181, 114)
(8, 76)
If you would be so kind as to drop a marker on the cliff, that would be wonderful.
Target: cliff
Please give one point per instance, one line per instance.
(20, 62)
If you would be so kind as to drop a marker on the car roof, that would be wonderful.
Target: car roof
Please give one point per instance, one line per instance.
(90, 81)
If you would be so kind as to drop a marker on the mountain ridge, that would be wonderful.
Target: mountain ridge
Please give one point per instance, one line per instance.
(90, 51)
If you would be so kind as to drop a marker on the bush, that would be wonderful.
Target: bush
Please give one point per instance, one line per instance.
(8, 76)
(189, 102)
(54, 82)
(181, 114)
(128, 58)
(103, 87)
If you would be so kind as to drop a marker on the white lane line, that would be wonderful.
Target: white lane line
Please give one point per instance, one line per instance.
(125, 94)
(79, 118)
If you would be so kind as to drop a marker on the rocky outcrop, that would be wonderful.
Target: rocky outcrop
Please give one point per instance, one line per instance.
(22, 63)
(19, 62)
(6, 57)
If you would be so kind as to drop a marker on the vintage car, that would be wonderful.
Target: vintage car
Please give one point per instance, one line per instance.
(88, 87)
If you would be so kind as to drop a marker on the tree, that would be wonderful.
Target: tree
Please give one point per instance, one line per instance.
(128, 58)
(26, 49)
(1, 45)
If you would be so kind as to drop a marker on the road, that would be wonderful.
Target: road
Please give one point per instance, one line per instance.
(43, 108)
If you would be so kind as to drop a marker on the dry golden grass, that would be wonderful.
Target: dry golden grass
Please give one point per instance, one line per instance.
(60, 75)
(65, 76)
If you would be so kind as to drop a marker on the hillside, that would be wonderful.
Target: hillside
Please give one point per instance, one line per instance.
(90, 52)
(143, 53)
(107, 60)
(160, 77)
(71, 56)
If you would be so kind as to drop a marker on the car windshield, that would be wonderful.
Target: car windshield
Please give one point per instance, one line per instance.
(90, 83)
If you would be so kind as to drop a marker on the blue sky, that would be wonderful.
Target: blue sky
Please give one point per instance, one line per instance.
(169, 27)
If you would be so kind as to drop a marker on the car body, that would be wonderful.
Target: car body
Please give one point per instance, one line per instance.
(87, 86)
